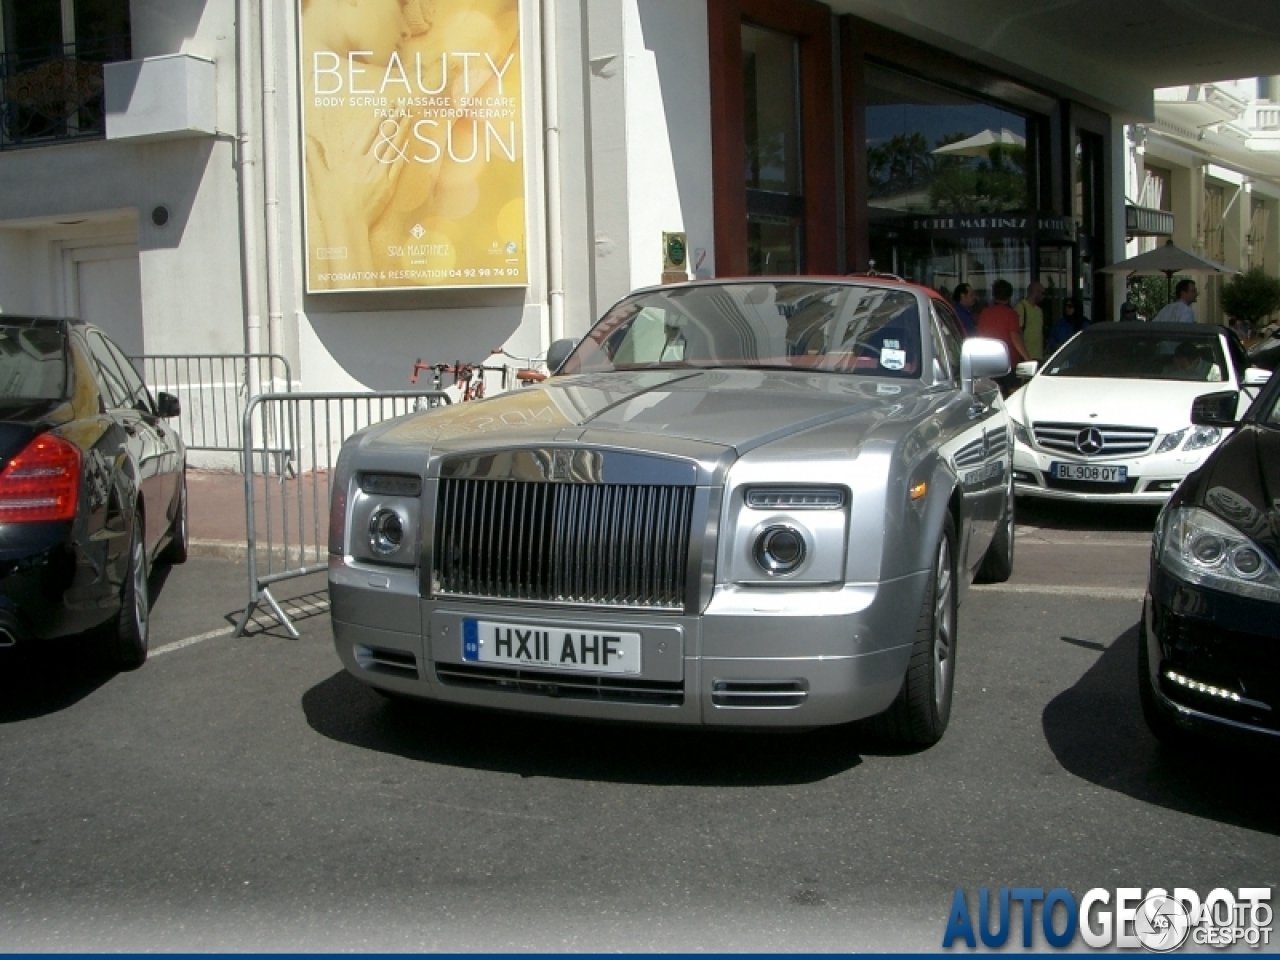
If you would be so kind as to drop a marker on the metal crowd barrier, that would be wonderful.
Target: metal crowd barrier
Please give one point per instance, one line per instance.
(287, 485)
(215, 390)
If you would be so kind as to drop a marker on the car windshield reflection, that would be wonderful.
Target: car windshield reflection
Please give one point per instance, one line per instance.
(1144, 356)
(827, 327)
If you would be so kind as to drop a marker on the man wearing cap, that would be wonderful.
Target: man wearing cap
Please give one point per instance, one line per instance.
(1128, 312)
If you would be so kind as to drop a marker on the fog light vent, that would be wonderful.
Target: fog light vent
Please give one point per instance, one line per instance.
(759, 693)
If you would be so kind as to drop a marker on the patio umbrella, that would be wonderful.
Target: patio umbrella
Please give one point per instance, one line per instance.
(980, 144)
(1168, 260)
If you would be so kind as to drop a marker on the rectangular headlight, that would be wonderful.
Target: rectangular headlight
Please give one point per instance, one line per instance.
(391, 484)
(795, 498)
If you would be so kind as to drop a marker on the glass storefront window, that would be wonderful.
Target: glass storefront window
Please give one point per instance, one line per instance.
(774, 174)
(951, 185)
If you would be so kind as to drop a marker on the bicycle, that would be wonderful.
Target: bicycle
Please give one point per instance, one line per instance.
(525, 377)
(464, 376)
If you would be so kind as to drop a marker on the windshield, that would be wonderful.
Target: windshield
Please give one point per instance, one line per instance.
(33, 364)
(1141, 355)
(833, 327)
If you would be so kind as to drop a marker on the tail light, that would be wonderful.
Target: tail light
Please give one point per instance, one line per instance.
(42, 482)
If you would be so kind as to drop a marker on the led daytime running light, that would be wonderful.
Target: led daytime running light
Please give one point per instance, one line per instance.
(764, 498)
(1199, 687)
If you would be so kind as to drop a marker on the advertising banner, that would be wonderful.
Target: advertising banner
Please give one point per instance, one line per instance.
(413, 160)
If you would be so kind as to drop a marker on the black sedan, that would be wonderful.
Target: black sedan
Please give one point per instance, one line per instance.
(92, 488)
(1209, 658)
(1266, 353)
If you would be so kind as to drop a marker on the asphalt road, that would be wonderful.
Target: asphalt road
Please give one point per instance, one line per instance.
(246, 794)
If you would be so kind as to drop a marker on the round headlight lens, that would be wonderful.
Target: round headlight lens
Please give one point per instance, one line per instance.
(1246, 562)
(780, 550)
(386, 532)
(1208, 549)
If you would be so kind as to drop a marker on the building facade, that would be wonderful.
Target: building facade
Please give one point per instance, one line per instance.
(354, 184)
(1211, 159)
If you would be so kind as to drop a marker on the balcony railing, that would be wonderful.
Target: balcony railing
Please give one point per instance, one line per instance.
(1264, 117)
(54, 94)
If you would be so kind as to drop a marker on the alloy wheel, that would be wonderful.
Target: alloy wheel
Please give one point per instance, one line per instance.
(141, 605)
(943, 629)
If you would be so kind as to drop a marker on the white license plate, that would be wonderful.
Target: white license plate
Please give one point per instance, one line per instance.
(583, 649)
(1087, 471)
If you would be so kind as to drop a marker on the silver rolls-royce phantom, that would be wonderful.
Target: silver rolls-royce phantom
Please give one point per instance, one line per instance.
(735, 503)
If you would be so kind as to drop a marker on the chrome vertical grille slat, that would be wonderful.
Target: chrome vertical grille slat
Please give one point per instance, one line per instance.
(577, 543)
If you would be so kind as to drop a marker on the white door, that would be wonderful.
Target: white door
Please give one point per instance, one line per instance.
(108, 292)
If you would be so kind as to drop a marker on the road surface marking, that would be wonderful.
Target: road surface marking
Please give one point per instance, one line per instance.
(1093, 593)
(179, 644)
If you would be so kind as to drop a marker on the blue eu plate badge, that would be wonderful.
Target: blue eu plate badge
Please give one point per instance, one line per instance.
(470, 640)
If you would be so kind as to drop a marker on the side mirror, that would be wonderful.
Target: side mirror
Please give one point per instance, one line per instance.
(167, 405)
(1256, 377)
(1215, 409)
(1027, 369)
(982, 357)
(559, 352)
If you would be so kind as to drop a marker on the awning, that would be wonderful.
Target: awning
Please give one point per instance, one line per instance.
(1147, 222)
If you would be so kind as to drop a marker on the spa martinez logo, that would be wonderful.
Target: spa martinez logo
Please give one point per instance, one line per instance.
(1127, 918)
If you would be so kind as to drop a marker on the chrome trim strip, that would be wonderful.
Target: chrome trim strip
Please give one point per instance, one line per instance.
(578, 465)
(1212, 718)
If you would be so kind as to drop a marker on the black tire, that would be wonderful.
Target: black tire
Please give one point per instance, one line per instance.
(922, 710)
(1159, 722)
(176, 551)
(997, 565)
(128, 634)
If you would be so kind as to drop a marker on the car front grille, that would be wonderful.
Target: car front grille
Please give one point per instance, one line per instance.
(1112, 441)
(564, 686)
(584, 543)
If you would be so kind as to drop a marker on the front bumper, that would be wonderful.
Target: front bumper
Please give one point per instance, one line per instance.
(795, 659)
(1151, 478)
(1228, 645)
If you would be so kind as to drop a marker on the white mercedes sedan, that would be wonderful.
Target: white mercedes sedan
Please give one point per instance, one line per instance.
(1107, 418)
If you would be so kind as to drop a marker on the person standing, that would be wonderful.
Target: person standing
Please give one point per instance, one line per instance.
(1129, 312)
(1066, 326)
(1000, 322)
(1179, 310)
(963, 300)
(1031, 318)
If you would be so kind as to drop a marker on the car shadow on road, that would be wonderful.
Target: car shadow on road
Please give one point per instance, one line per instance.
(39, 680)
(1086, 517)
(1096, 731)
(345, 710)
(42, 677)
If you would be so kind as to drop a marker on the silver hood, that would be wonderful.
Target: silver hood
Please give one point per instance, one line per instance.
(738, 409)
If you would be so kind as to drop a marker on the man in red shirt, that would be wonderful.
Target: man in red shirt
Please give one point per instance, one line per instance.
(1000, 322)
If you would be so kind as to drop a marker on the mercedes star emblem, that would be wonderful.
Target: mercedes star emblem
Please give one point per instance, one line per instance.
(1089, 441)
